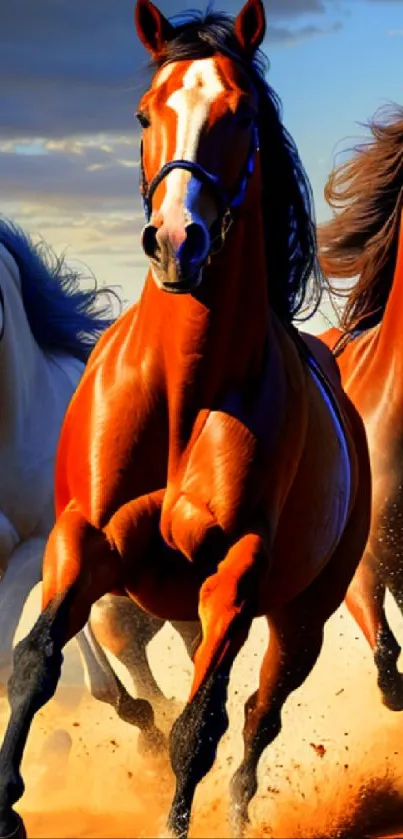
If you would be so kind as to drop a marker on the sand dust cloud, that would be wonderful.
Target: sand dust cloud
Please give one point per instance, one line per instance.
(336, 769)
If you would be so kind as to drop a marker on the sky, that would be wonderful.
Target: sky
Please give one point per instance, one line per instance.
(72, 71)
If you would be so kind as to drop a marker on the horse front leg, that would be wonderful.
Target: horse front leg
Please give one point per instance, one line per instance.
(81, 564)
(105, 686)
(78, 568)
(226, 608)
(22, 574)
(365, 601)
(294, 645)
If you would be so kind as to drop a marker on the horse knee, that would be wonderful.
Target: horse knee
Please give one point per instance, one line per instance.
(37, 665)
(192, 529)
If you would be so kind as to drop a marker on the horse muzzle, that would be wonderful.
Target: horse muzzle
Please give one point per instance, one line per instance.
(177, 256)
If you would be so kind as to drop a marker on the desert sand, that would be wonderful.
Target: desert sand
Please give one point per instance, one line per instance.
(336, 769)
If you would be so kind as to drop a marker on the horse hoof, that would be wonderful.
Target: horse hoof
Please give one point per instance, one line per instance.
(392, 692)
(152, 743)
(394, 702)
(16, 830)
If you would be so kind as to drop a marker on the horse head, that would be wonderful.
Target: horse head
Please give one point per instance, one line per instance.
(199, 144)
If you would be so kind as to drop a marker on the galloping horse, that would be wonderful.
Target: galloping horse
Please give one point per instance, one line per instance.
(48, 326)
(365, 240)
(207, 467)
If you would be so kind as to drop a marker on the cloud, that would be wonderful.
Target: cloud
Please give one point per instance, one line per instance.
(96, 173)
(70, 67)
(80, 194)
(70, 78)
(284, 35)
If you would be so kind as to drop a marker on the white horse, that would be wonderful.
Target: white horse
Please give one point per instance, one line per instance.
(48, 326)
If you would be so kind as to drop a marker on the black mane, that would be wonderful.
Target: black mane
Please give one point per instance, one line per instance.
(295, 280)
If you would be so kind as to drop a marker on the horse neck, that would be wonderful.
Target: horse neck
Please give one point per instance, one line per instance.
(211, 343)
(22, 370)
(390, 335)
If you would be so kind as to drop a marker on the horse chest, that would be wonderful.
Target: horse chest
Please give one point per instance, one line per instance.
(115, 448)
(26, 492)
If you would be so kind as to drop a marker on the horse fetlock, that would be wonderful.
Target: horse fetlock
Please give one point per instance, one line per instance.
(243, 787)
(391, 686)
(243, 784)
(139, 712)
(387, 650)
(136, 712)
(11, 790)
(390, 681)
(11, 826)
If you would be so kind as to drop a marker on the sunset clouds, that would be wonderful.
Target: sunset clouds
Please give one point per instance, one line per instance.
(71, 73)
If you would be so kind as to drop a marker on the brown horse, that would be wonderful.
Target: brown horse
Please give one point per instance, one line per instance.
(207, 467)
(365, 240)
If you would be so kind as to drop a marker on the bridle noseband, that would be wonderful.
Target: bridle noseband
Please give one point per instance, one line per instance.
(226, 203)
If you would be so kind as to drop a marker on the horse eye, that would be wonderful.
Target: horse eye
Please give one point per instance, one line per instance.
(245, 122)
(143, 119)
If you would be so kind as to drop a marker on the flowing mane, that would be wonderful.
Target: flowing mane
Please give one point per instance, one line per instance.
(63, 316)
(295, 278)
(361, 239)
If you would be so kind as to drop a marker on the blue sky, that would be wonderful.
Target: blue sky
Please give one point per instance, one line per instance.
(70, 76)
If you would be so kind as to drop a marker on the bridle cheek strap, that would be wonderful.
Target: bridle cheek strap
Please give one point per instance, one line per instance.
(226, 203)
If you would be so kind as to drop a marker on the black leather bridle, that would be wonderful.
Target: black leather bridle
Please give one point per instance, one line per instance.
(226, 203)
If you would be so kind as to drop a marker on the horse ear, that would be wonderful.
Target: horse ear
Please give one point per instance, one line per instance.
(250, 25)
(153, 29)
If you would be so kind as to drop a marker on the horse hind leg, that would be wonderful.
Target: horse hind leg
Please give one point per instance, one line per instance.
(365, 601)
(120, 626)
(105, 686)
(79, 567)
(295, 642)
(226, 607)
(191, 634)
(293, 649)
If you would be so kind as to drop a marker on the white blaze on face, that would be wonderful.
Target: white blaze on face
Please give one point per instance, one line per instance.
(201, 85)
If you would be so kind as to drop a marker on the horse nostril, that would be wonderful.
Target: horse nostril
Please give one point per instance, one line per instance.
(149, 240)
(196, 245)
